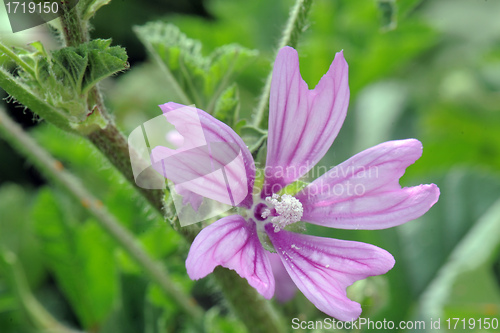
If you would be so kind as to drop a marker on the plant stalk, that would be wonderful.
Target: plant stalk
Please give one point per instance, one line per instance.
(53, 170)
(111, 142)
(296, 24)
(73, 30)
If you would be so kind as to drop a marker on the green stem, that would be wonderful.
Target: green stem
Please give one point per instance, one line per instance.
(255, 311)
(114, 146)
(25, 96)
(246, 302)
(74, 32)
(20, 62)
(295, 26)
(108, 139)
(51, 168)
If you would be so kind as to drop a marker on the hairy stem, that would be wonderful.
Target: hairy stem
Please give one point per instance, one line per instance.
(111, 142)
(114, 146)
(23, 94)
(20, 62)
(51, 168)
(254, 310)
(245, 301)
(294, 27)
(73, 30)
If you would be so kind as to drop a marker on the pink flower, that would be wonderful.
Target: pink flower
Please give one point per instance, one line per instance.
(361, 193)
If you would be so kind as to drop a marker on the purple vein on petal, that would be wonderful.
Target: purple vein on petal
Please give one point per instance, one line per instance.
(303, 123)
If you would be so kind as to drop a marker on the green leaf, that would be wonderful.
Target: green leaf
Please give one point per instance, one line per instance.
(17, 237)
(128, 314)
(166, 310)
(193, 77)
(104, 61)
(470, 264)
(31, 99)
(37, 315)
(388, 11)
(378, 108)
(7, 302)
(70, 67)
(56, 87)
(228, 106)
(35, 74)
(80, 256)
(16, 230)
(458, 133)
(217, 323)
(405, 7)
(253, 137)
(88, 8)
(88, 63)
(465, 196)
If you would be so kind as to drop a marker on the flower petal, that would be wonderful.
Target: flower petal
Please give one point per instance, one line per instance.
(364, 192)
(285, 287)
(233, 243)
(189, 198)
(302, 123)
(213, 162)
(175, 138)
(322, 268)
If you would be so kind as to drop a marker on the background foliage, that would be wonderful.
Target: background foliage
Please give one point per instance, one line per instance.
(423, 69)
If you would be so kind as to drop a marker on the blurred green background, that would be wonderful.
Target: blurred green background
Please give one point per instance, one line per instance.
(417, 69)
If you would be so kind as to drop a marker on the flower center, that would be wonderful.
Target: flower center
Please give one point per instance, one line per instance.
(286, 211)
